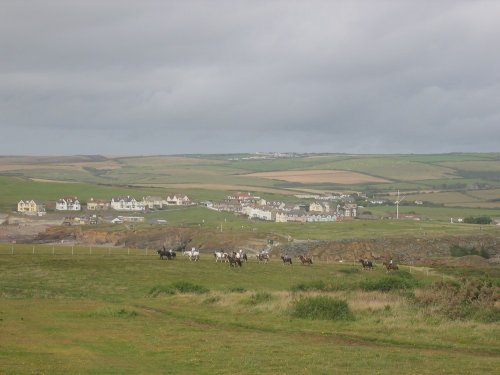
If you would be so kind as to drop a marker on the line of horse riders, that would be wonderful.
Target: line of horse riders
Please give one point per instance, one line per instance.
(236, 258)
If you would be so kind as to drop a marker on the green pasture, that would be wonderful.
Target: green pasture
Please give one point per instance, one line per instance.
(211, 220)
(14, 189)
(127, 314)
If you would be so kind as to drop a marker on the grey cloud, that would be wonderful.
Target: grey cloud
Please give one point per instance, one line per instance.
(226, 76)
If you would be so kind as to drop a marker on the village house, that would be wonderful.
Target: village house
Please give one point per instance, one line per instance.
(179, 200)
(319, 207)
(98, 205)
(68, 204)
(243, 197)
(31, 207)
(286, 216)
(126, 203)
(153, 202)
(230, 205)
(322, 217)
(258, 213)
(349, 210)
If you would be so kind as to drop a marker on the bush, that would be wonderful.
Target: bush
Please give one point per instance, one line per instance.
(388, 283)
(478, 220)
(466, 299)
(187, 287)
(460, 251)
(323, 308)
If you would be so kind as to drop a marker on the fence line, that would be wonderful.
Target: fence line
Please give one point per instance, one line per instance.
(53, 250)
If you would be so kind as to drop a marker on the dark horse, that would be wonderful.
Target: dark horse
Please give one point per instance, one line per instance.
(390, 266)
(305, 259)
(286, 259)
(233, 260)
(169, 254)
(366, 263)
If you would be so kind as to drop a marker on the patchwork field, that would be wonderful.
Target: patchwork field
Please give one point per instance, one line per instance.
(319, 176)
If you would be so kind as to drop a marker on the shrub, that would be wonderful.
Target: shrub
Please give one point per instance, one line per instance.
(466, 299)
(388, 283)
(187, 287)
(323, 308)
(460, 251)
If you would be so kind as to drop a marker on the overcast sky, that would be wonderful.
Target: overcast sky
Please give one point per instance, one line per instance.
(167, 77)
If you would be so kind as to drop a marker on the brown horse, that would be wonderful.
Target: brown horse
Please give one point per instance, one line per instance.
(263, 258)
(305, 259)
(390, 266)
(366, 263)
(286, 259)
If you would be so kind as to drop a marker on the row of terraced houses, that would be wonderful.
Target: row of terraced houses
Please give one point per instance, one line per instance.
(257, 208)
(120, 203)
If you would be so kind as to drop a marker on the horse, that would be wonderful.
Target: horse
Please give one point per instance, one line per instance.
(390, 266)
(286, 259)
(234, 260)
(220, 256)
(263, 257)
(169, 254)
(366, 263)
(192, 254)
(305, 259)
(195, 255)
(162, 253)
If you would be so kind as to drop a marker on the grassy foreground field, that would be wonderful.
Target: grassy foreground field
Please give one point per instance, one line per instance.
(121, 313)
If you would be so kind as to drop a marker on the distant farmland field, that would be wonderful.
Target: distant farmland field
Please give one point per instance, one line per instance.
(319, 176)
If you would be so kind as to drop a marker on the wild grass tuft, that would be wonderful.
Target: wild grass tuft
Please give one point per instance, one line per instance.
(257, 299)
(399, 281)
(322, 308)
(161, 290)
(188, 287)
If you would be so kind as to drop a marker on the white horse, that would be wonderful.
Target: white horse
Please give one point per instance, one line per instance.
(193, 254)
(220, 256)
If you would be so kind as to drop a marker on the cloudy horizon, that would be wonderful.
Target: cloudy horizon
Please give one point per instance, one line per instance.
(183, 77)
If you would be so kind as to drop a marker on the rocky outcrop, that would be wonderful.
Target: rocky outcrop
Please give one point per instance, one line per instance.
(405, 250)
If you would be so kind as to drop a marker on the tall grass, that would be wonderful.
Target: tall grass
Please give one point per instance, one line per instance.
(322, 308)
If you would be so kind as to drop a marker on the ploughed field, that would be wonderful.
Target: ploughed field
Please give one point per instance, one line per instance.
(122, 311)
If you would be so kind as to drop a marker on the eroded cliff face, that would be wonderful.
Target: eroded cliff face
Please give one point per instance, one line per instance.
(405, 250)
(416, 250)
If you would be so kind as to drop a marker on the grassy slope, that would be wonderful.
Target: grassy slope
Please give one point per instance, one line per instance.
(96, 314)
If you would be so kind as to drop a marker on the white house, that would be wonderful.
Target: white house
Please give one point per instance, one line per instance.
(179, 200)
(153, 202)
(31, 207)
(97, 204)
(68, 204)
(126, 203)
(257, 213)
